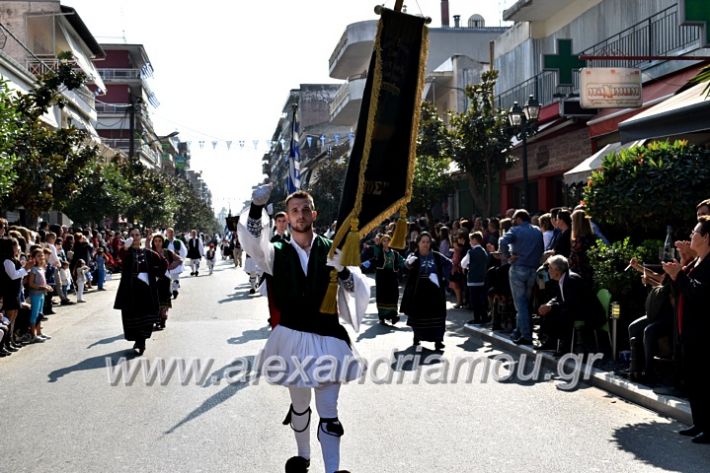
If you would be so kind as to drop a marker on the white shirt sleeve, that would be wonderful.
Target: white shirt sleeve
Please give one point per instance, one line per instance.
(12, 272)
(257, 242)
(466, 261)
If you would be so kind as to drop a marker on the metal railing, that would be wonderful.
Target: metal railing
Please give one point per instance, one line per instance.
(659, 34)
(109, 74)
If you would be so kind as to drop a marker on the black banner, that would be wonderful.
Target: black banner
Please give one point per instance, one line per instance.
(381, 166)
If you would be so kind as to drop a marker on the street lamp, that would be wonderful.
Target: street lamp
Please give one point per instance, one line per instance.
(523, 120)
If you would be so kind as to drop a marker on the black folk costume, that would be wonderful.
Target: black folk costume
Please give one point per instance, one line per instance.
(165, 287)
(424, 299)
(138, 295)
(195, 251)
(313, 347)
(388, 265)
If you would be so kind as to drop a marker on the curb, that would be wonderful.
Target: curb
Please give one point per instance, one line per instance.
(666, 405)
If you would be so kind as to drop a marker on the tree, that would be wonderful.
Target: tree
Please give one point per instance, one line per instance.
(432, 182)
(327, 188)
(480, 140)
(106, 194)
(8, 137)
(638, 191)
(53, 165)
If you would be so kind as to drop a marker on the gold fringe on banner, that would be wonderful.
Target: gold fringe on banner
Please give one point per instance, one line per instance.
(351, 248)
(399, 237)
(329, 305)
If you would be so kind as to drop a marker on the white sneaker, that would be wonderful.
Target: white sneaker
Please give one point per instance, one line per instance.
(46, 337)
(37, 339)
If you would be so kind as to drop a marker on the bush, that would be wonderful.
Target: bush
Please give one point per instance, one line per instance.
(638, 191)
(609, 262)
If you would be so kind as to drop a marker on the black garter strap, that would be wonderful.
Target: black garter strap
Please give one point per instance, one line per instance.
(330, 426)
(287, 420)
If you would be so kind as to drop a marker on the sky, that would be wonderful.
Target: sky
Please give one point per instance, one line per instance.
(224, 69)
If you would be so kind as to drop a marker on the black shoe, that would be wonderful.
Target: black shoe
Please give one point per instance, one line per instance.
(522, 341)
(50, 313)
(175, 294)
(395, 319)
(701, 438)
(11, 348)
(416, 341)
(252, 291)
(297, 465)
(139, 347)
(197, 273)
(4, 353)
(439, 346)
(383, 322)
(691, 432)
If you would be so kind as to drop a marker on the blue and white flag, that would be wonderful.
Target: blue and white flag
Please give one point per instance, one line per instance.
(294, 158)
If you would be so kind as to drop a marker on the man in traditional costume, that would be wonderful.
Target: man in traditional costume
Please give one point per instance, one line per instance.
(195, 251)
(179, 248)
(313, 348)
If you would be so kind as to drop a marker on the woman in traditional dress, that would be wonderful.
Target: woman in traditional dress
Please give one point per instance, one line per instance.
(388, 264)
(137, 295)
(424, 299)
(164, 281)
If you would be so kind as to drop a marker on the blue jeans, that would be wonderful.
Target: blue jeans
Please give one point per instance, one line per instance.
(37, 302)
(101, 276)
(522, 280)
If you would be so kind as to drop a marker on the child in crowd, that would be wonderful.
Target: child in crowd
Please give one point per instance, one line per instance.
(38, 289)
(100, 268)
(50, 275)
(210, 256)
(476, 262)
(81, 272)
(65, 281)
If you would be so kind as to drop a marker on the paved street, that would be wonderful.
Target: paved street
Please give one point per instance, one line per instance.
(61, 413)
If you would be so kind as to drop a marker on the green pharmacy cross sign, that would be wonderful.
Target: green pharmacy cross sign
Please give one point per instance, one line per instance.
(696, 12)
(563, 62)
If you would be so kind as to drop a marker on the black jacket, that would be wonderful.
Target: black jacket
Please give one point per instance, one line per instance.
(579, 302)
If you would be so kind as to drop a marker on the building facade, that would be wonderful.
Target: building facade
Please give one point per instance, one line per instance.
(539, 56)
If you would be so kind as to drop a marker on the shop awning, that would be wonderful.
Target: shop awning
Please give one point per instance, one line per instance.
(582, 171)
(685, 112)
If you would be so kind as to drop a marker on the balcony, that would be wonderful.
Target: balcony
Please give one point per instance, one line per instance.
(120, 75)
(658, 35)
(345, 107)
(352, 54)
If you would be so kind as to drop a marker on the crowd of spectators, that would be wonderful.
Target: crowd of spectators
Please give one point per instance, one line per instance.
(47, 267)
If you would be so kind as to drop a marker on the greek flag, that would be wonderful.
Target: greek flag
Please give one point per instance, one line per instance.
(294, 158)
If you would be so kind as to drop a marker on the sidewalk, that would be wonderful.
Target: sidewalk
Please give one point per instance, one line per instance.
(666, 405)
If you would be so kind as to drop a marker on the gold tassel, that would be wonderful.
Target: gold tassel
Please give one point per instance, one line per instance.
(329, 305)
(399, 237)
(351, 248)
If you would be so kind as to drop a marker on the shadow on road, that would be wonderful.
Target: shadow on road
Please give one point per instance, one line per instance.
(223, 374)
(106, 341)
(250, 335)
(657, 444)
(412, 358)
(95, 362)
(376, 328)
(238, 296)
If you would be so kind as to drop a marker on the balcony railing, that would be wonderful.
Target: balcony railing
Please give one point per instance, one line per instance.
(660, 34)
(121, 74)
